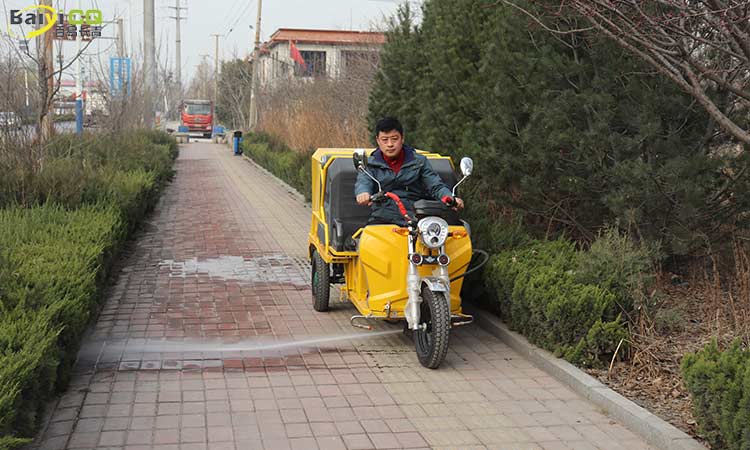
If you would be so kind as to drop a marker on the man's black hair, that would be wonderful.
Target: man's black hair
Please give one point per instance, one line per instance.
(387, 124)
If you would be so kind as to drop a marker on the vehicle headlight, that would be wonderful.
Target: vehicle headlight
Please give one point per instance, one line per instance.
(434, 231)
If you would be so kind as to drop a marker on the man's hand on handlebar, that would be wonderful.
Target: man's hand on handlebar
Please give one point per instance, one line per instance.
(455, 203)
(364, 199)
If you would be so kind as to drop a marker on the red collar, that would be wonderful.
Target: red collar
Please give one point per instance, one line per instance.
(395, 163)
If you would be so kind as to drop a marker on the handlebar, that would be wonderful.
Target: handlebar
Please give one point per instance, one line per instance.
(449, 201)
(379, 198)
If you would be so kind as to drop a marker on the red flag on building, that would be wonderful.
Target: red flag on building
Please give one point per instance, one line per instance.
(296, 55)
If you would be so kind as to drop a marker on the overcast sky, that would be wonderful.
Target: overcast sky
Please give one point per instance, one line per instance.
(231, 18)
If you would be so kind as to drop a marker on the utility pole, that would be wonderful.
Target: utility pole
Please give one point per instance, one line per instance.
(46, 126)
(254, 86)
(178, 43)
(120, 39)
(216, 70)
(149, 62)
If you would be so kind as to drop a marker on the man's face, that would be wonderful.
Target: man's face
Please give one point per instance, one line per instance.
(391, 143)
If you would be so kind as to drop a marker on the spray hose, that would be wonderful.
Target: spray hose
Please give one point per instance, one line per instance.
(400, 204)
(474, 269)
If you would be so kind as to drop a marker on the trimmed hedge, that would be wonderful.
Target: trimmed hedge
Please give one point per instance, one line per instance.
(56, 248)
(289, 165)
(540, 297)
(55, 263)
(719, 382)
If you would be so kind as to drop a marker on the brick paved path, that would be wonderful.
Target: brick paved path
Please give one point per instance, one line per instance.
(223, 259)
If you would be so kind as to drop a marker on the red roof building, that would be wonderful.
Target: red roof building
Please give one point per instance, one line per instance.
(319, 53)
(331, 37)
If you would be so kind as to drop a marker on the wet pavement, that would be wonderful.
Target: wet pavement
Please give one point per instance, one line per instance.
(208, 340)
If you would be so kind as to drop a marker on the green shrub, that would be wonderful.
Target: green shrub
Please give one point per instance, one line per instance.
(29, 356)
(136, 150)
(55, 265)
(599, 344)
(488, 233)
(617, 263)
(292, 166)
(503, 268)
(74, 168)
(719, 382)
(132, 193)
(540, 297)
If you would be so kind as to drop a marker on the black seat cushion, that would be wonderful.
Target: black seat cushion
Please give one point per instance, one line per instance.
(343, 215)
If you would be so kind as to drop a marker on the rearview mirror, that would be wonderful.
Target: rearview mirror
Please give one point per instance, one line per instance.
(359, 158)
(467, 166)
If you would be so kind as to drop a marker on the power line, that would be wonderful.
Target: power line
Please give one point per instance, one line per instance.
(239, 16)
(228, 17)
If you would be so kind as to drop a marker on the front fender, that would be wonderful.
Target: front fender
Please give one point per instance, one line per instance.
(436, 285)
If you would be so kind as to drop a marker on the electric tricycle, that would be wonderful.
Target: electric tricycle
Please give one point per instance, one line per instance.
(411, 274)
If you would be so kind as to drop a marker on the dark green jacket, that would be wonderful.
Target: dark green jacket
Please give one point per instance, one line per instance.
(415, 181)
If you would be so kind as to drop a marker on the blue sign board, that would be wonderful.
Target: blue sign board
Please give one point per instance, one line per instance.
(119, 76)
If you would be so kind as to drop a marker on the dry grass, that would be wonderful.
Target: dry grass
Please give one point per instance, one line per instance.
(319, 113)
(711, 302)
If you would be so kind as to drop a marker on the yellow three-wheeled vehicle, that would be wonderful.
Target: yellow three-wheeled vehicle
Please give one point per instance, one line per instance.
(412, 273)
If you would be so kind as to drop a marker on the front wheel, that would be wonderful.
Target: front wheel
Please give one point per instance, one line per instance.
(431, 340)
(321, 283)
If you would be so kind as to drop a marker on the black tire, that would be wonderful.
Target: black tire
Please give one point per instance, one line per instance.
(321, 283)
(432, 342)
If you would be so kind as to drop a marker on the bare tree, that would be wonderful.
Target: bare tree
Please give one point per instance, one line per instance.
(11, 72)
(235, 82)
(18, 155)
(124, 110)
(702, 45)
(48, 79)
(202, 82)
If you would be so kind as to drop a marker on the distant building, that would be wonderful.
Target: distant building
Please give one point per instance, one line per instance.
(332, 54)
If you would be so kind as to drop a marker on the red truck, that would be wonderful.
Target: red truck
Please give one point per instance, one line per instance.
(198, 116)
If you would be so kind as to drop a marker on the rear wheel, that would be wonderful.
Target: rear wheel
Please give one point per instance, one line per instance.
(321, 283)
(431, 340)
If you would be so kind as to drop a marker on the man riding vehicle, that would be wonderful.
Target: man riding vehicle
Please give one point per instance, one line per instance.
(401, 170)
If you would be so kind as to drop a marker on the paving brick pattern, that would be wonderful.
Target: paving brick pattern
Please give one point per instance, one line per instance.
(223, 261)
